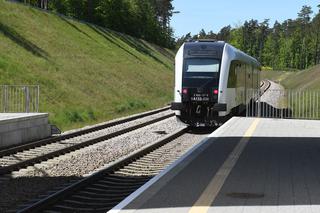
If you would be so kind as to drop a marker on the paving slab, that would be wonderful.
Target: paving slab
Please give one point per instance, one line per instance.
(256, 165)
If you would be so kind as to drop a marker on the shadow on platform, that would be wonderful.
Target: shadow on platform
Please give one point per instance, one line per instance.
(271, 171)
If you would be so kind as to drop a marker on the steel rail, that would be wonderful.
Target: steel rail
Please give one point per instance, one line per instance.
(35, 144)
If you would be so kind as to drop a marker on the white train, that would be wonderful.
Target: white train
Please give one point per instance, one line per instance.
(213, 80)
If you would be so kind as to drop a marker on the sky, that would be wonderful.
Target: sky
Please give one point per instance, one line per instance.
(213, 15)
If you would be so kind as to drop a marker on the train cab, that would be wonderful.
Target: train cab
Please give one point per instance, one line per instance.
(202, 70)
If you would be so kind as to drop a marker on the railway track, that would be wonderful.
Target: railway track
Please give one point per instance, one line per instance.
(105, 188)
(23, 156)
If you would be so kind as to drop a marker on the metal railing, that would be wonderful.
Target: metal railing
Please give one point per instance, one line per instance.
(19, 98)
(294, 104)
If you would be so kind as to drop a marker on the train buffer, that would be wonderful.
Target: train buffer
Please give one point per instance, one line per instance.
(247, 165)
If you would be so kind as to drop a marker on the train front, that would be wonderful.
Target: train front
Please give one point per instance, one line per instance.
(196, 92)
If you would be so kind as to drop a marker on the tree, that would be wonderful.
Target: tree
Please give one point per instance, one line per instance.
(304, 19)
(224, 34)
(316, 30)
(262, 37)
(292, 44)
(164, 11)
(202, 34)
(250, 37)
(148, 19)
(304, 14)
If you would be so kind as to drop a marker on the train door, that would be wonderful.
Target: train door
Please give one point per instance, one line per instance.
(249, 82)
(252, 77)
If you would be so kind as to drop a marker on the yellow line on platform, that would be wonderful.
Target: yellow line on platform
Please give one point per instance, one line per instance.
(210, 193)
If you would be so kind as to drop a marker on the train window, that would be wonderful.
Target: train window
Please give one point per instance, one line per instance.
(232, 79)
(202, 65)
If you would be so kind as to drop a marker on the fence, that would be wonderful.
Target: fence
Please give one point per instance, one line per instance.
(295, 104)
(19, 98)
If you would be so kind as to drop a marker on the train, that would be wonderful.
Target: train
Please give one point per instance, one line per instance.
(213, 80)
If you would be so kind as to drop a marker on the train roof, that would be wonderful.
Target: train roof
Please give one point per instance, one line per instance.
(221, 46)
(240, 55)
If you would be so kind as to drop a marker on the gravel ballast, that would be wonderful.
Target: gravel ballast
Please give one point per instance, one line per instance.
(273, 95)
(162, 157)
(39, 151)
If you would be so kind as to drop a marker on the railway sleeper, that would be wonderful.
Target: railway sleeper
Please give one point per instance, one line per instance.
(128, 179)
(99, 195)
(153, 155)
(141, 174)
(143, 170)
(94, 204)
(119, 183)
(137, 182)
(138, 167)
(101, 186)
(62, 208)
(145, 163)
(97, 199)
(93, 189)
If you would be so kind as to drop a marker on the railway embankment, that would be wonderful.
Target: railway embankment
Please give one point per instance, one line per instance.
(87, 74)
(299, 80)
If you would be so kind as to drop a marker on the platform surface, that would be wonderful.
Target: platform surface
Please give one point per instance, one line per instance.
(248, 165)
(20, 116)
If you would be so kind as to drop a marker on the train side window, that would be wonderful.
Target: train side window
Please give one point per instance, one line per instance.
(232, 78)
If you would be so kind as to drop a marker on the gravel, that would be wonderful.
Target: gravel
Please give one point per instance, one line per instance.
(274, 95)
(83, 161)
(162, 157)
(38, 179)
(39, 151)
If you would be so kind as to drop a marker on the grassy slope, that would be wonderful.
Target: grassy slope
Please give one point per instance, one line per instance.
(87, 74)
(306, 79)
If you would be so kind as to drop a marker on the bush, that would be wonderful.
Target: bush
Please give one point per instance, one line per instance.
(130, 105)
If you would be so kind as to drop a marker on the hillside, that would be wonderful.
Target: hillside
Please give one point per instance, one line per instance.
(86, 73)
(305, 79)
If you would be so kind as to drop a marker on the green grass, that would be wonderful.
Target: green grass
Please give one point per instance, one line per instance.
(87, 74)
(308, 79)
(306, 104)
(276, 76)
(303, 90)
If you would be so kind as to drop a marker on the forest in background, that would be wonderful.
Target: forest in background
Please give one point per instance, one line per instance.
(146, 19)
(290, 45)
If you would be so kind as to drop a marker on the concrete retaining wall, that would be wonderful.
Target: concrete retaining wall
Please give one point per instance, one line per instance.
(18, 128)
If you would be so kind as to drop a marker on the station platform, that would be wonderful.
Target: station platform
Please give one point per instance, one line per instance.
(19, 128)
(256, 165)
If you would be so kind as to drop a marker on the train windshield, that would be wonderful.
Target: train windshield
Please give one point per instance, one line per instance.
(202, 65)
